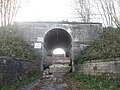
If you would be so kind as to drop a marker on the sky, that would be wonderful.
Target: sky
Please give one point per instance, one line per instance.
(45, 10)
(58, 51)
(52, 10)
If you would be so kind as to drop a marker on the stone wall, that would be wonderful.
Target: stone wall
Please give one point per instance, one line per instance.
(82, 33)
(101, 66)
(13, 69)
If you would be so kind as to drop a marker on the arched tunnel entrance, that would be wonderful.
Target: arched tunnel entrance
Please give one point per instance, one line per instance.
(58, 38)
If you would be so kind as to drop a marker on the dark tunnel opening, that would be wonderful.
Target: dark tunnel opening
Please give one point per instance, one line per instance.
(58, 38)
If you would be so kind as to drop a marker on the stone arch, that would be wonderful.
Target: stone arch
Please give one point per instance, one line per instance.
(58, 38)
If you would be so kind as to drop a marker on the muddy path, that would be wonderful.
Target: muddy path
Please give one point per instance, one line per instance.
(57, 81)
(55, 78)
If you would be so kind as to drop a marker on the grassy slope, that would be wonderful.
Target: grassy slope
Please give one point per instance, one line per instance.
(107, 46)
(96, 82)
(13, 46)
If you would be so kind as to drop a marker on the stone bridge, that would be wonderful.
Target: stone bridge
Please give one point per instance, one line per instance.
(47, 36)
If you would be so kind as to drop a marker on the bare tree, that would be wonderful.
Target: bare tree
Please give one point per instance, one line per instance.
(108, 9)
(83, 9)
(116, 16)
(8, 11)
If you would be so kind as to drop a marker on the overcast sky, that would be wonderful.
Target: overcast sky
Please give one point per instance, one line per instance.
(50, 10)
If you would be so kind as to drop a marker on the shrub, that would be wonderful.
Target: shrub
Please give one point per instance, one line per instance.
(13, 46)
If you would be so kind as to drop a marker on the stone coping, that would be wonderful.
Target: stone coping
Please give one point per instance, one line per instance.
(60, 22)
(103, 60)
(13, 58)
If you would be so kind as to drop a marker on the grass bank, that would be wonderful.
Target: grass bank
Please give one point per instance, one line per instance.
(101, 82)
(11, 45)
(106, 46)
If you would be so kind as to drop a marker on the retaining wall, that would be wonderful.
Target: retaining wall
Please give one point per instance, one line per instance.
(101, 66)
(13, 69)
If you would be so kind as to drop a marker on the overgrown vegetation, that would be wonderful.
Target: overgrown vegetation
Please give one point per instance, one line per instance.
(20, 82)
(107, 46)
(13, 46)
(92, 82)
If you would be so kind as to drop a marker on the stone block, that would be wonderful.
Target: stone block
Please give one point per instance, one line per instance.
(59, 68)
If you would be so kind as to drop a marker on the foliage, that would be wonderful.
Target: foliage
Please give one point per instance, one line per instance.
(96, 82)
(107, 46)
(13, 46)
(21, 82)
